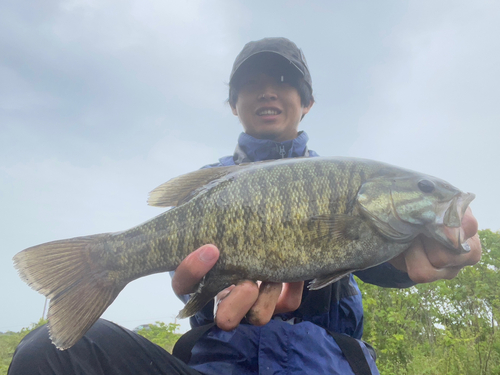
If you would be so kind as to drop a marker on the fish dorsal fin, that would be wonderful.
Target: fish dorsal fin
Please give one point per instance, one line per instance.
(181, 189)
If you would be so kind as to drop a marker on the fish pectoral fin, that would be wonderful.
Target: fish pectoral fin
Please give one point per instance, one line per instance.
(181, 189)
(208, 289)
(340, 227)
(321, 282)
(343, 229)
(79, 290)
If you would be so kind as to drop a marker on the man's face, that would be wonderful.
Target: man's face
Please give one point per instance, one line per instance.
(269, 109)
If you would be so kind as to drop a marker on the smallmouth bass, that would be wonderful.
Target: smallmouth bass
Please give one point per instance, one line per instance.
(287, 220)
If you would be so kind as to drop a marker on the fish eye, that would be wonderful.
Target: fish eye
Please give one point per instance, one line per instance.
(426, 186)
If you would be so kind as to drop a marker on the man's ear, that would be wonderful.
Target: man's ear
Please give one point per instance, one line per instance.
(306, 110)
(235, 111)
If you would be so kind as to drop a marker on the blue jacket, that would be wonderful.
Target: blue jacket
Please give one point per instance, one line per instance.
(295, 342)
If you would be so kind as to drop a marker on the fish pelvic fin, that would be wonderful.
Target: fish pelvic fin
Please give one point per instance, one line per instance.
(196, 302)
(79, 290)
(207, 290)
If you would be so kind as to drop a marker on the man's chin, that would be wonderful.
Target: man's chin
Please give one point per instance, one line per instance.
(277, 135)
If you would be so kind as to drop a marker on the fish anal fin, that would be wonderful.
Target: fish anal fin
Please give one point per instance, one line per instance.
(183, 188)
(323, 281)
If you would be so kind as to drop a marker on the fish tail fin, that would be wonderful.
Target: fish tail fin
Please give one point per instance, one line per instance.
(78, 288)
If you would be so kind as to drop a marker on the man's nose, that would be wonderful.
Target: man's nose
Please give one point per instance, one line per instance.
(268, 94)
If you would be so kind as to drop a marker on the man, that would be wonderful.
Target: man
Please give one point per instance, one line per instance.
(268, 327)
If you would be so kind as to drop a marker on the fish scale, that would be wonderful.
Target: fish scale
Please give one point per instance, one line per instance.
(294, 219)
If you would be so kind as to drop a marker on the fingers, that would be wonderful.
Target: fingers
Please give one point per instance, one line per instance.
(234, 303)
(427, 260)
(263, 309)
(290, 297)
(258, 304)
(192, 269)
(469, 224)
(440, 258)
(421, 270)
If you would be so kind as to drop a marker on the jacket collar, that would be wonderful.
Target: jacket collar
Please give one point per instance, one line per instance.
(250, 149)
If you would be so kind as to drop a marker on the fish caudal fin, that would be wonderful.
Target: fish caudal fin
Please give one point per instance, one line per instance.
(79, 290)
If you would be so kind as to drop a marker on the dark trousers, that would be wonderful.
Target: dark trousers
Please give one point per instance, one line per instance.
(106, 349)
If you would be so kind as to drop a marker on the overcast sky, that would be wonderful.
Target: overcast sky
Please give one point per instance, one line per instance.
(103, 100)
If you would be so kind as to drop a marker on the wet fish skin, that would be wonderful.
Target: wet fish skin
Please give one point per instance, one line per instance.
(290, 220)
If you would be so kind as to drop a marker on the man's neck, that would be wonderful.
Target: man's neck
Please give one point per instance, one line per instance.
(277, 137)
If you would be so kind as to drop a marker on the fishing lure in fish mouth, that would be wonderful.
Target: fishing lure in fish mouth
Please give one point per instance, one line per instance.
(287, 220)
(399, 205)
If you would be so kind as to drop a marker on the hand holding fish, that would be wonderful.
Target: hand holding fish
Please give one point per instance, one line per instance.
(258, 302)
(192, 269)
(427, 260)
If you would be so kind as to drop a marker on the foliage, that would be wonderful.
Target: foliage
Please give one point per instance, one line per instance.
(446, 327)
(161, 334)
(9, 342)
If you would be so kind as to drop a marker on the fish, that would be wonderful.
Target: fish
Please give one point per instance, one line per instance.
(286, 220)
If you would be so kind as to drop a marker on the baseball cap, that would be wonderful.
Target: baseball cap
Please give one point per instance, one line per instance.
(280, 46)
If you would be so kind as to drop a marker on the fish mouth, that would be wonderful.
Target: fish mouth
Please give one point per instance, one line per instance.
(449, 232)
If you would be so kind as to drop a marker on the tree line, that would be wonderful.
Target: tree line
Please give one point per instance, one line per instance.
(445, 327)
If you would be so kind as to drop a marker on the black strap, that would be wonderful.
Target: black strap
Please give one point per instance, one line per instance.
(183, 346)
(353, 353)
(349, 346)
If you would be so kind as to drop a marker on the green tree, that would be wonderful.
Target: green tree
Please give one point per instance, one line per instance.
(9, 342)
(470, 311)
(161, 334)
(446, 327)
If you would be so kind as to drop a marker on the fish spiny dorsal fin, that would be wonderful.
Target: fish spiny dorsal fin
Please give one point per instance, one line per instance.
(181, 189)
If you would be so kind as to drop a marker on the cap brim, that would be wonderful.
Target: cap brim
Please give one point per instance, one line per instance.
(262, 54)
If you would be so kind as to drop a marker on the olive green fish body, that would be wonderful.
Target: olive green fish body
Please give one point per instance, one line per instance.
(266, 221)
(254, 212)
(283, 221)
